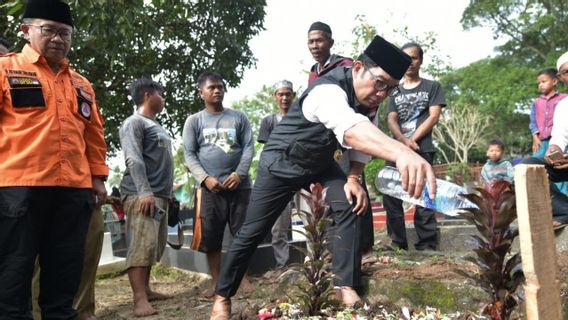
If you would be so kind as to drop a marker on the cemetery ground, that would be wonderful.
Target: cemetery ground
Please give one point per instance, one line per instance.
(415, 280)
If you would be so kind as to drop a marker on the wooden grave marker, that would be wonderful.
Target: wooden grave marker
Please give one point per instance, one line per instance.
(538, 248)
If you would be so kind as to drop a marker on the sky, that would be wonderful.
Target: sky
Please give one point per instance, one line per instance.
(282, 53)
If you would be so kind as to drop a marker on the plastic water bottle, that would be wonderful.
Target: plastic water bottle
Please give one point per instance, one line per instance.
(447, 201)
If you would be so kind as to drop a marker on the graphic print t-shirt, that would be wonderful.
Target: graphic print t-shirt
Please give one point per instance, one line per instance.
(413, 107)
(219, 143)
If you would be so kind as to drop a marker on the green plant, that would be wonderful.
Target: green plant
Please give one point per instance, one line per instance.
(498, 276)
(459, 172)
(316, 293)
(371, 170)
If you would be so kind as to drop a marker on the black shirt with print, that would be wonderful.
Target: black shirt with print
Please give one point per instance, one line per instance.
(413, 108)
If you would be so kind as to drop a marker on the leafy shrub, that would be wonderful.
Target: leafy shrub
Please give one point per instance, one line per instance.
(316, 293)
(371, 170)
(459, 173)
(498, 275)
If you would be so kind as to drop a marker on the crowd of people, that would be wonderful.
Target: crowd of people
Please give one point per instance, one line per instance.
(53, 173)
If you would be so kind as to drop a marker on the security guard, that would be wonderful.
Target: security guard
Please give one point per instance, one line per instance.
(53, 165)
(300, 151)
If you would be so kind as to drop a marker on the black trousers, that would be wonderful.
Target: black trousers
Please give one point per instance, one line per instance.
(270, 196)
(425, 222)
(49, 222)
(559, 200)
(367, 231)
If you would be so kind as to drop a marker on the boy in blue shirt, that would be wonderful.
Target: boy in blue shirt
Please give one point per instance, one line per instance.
(496, 168)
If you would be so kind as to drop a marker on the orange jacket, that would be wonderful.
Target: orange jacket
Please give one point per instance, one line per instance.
(51, 130)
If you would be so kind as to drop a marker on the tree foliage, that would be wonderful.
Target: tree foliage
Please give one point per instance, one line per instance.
(257, 107)
(171, 41)
(501, 89)
(460, 129)
(534, 35)
(435, 62)
(534, 30)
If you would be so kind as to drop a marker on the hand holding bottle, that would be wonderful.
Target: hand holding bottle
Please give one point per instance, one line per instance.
(414, 171)
(448, 201)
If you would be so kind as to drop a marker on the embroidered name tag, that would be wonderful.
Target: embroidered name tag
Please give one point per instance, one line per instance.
(26, 92)
(23, 82)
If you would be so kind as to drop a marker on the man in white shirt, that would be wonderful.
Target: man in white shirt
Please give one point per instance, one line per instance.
(555, 160)
(331, 115)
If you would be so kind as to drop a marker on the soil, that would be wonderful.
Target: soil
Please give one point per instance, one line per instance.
(427, 278)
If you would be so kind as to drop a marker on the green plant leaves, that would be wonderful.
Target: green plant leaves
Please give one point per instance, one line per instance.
(497, 276)
(316, 293)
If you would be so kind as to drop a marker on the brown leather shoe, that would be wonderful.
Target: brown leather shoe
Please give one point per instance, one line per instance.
(221, 308)
(349, 297)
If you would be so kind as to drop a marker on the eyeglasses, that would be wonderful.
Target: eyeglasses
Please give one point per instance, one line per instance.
(51, 32)
(383, 86)
(563, 72)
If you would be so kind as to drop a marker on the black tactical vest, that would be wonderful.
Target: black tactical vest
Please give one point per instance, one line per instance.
(298, 147)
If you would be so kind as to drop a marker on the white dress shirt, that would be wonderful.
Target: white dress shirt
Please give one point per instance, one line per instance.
(560, 125)
(327, 104)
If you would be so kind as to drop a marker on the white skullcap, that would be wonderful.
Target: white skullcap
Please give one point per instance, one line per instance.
(562, 60)
(283, 84)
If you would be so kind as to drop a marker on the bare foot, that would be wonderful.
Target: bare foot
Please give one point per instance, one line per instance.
(221, 309)
(556, 225)
(369, 258)
(349, 297)
(155, 296)
(209, 293)
(143, 308)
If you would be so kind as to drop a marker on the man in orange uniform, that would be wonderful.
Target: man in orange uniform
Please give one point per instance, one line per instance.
(52, 169)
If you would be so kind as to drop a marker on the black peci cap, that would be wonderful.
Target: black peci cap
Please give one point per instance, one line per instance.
(53, 10)
(387, 56)
(320, 26)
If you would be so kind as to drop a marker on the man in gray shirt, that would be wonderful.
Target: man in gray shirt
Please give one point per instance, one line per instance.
(146, 188)
(219, 149)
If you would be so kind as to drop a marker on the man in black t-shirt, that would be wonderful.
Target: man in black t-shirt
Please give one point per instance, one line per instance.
(412, 114)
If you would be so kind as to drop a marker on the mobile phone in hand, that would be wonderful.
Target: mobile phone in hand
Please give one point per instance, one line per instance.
(159, 214)
(556, 156)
